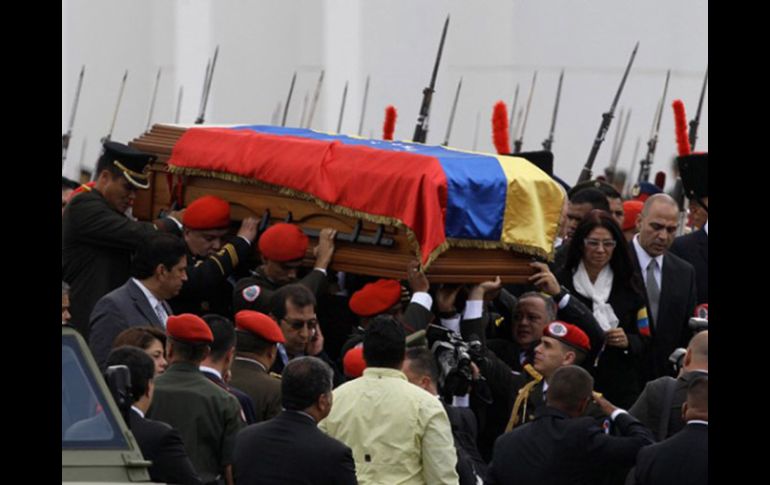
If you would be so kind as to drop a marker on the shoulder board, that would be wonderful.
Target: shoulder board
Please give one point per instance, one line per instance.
(275, 375)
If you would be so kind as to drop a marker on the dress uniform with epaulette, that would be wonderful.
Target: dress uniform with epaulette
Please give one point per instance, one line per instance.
(209, 288)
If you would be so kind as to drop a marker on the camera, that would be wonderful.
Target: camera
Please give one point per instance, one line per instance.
(698, 324)
(453, 356)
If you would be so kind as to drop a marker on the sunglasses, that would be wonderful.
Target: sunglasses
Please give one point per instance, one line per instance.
(298, 324)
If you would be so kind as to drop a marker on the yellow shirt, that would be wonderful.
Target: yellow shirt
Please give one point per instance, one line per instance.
(399, 433)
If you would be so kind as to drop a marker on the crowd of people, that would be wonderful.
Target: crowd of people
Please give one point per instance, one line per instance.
(247, 367)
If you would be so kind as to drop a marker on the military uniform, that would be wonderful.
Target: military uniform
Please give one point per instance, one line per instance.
(256, 292)
(207, 416)
(264, 388)
(208, 288)
(97, 242)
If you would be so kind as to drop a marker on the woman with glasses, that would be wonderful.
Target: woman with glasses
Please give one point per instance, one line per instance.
(599, 271)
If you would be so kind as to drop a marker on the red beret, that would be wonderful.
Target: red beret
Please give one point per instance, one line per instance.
(207, 212)
(283, 242)
(569, 334)
(375, 297)
(260, 325)
(189, 328)
(353, 362)
(632, 209)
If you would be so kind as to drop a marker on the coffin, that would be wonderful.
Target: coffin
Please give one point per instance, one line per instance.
(391, 202)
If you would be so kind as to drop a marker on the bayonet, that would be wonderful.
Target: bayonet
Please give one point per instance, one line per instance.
(421, 130)
(65, 138)
(644, 168)
(616, 140)
(614, 161)
(342, 107)
(452, 113)
(520, 140)
(513, 111)
(154, 97)
(203, 89)
(108, 137)
(633, 165)
(315, 99)
(549, 141)
(696, 121)
(585, 174)
(363, 107)
(288, 99)
(207, 88)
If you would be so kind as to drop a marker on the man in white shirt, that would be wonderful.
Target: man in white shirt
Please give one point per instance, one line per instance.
(158, 271)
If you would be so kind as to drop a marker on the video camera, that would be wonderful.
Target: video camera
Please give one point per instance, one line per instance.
(454, 357)
(676, 358)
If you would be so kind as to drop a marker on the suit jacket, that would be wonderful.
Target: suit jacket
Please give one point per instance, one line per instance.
(161, 444)
(648, 407)
(694, 248)
(267, 453)
(247, 404)
(116, 311)
(676, 306)
(681, 459)
(97, 242)
(263, 389)
(556, 449)
(470, 464)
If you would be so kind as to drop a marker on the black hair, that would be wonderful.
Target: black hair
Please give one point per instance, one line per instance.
(140, 365)
(384, 342)
(224, 335)
(422, 363)
(189, 351)
(158, 248)
(592, 196)
(141, 337)
(299, 295)
(303, 380)
(569, 387)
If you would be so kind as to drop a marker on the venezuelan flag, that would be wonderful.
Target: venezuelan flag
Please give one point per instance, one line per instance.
(643, 322)
(443, 197)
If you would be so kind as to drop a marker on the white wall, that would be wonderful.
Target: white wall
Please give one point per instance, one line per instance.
(492, 44)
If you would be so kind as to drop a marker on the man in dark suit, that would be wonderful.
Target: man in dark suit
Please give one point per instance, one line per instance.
(217, 364)
(256, 348)
(158, 271)
(98, 236)
(669, 282)
(694, 248)
(560, 446)
(660, 403)
(683, 458)
(159, 442)
(268, 452)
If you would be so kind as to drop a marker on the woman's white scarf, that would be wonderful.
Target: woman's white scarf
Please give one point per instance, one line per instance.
(599, 292)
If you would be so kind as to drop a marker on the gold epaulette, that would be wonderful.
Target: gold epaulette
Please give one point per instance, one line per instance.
(274, 375)
(523, 397)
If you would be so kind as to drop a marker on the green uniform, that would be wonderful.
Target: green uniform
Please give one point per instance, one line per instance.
(207, 417)
(263, 388)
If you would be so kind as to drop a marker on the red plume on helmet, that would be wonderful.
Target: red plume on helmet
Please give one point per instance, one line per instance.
(680, 123)
(500, 129)
(390, 123)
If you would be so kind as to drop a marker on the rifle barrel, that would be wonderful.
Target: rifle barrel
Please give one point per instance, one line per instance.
(288, 99)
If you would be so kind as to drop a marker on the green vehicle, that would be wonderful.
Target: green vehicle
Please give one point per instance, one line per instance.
(96, 445)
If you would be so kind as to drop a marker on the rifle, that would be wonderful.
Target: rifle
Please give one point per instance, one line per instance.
(421, 130)
(66, 137)
(108, 136)
(154, 97)
(633, 166)
(549, 141)
(619, 148)
(585, 174)
(520, 140)
(363, 107)
(207, 87)
(696, 121)
(646, 163)
(315, 99)
(513, 110)
(342, 107)
(178, 104)
(452, 113)
(288, 99)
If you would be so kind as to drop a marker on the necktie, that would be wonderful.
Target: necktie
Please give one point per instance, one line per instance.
(161, 312)
(653, 292)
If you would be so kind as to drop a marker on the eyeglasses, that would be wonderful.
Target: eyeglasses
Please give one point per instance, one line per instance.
(298, 324)
(595, 243)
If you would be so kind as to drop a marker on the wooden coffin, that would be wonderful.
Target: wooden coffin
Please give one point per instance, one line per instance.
(456, 265)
